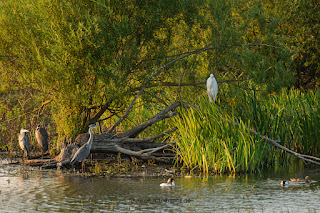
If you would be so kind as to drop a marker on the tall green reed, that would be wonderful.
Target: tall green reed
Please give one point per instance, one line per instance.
(209, 143)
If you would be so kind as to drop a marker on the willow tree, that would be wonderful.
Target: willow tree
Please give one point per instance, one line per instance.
(88, 58)
(301, 26)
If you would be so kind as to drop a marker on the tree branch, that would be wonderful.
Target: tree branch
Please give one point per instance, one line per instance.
(209, 47)
(12, 60)
(151, 138)
(276, 143)
(38, 109)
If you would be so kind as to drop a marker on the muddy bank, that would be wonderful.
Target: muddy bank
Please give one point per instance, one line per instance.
(112, 166)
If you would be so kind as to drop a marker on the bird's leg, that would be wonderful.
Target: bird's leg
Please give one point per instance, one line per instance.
(91, 161)
(83, 166)
(24, 155)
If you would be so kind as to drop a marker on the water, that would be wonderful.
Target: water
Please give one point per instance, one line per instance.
(23, 189)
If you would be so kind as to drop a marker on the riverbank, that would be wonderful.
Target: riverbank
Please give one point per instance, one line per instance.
(112, 166)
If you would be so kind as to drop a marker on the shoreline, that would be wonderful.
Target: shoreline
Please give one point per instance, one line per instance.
(113, 166)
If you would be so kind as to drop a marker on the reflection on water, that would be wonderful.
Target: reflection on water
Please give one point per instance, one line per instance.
(22, 189)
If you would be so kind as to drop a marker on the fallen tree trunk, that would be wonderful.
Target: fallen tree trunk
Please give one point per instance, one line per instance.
(304, 158)
(37, 162)
(127, 142)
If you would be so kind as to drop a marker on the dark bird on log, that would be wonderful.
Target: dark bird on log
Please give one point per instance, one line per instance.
(24, 141)
(84, 151)
(42, 138)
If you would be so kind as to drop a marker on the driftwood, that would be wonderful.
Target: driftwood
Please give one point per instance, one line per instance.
(126, 142)
(37, 162)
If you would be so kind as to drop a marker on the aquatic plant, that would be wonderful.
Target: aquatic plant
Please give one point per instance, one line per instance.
(208, 141)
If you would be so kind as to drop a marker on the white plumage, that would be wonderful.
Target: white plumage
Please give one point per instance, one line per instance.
(169, 183)
(212, 88)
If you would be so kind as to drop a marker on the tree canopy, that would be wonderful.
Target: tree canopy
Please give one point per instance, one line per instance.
(87, 59)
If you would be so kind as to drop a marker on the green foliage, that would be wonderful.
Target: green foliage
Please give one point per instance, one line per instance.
(89, 58)
(209, 143)
(290, 116)
(301, 26)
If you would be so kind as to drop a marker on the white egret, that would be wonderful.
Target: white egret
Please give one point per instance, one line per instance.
(212, 88)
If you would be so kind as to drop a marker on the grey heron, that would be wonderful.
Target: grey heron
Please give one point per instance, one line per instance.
(42, 138)
(84, 151)
(212, 88)
(24, 141)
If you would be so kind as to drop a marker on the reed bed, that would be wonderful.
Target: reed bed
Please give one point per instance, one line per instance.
(207, 142)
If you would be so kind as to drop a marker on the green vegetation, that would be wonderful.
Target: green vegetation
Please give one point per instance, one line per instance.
(67, 64)
(209, 143)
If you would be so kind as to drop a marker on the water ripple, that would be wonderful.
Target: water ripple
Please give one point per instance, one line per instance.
(24, 189)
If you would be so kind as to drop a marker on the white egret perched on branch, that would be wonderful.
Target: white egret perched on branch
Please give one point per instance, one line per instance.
(84, 151)
(212, 88)
(24, 141)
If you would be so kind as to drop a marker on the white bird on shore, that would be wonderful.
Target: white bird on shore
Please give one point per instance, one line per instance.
(212, 88)
(169, 183)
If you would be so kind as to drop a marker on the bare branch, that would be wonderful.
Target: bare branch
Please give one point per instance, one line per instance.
(26, 113)
(276, 143)
(209, 47)
(9, 56)
(12, 60)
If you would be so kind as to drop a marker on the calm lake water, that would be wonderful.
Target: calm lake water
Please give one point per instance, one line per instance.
(24, 189)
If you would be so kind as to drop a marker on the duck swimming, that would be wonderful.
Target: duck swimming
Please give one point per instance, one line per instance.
(169, 183)
(284, 182)
(306, 179)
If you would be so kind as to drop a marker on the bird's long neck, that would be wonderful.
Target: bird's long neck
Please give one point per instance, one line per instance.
(90, 138)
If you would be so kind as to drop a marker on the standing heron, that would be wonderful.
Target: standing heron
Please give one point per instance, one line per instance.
(212, 88)
(24, 141)
(84, 151)
(42, 138)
